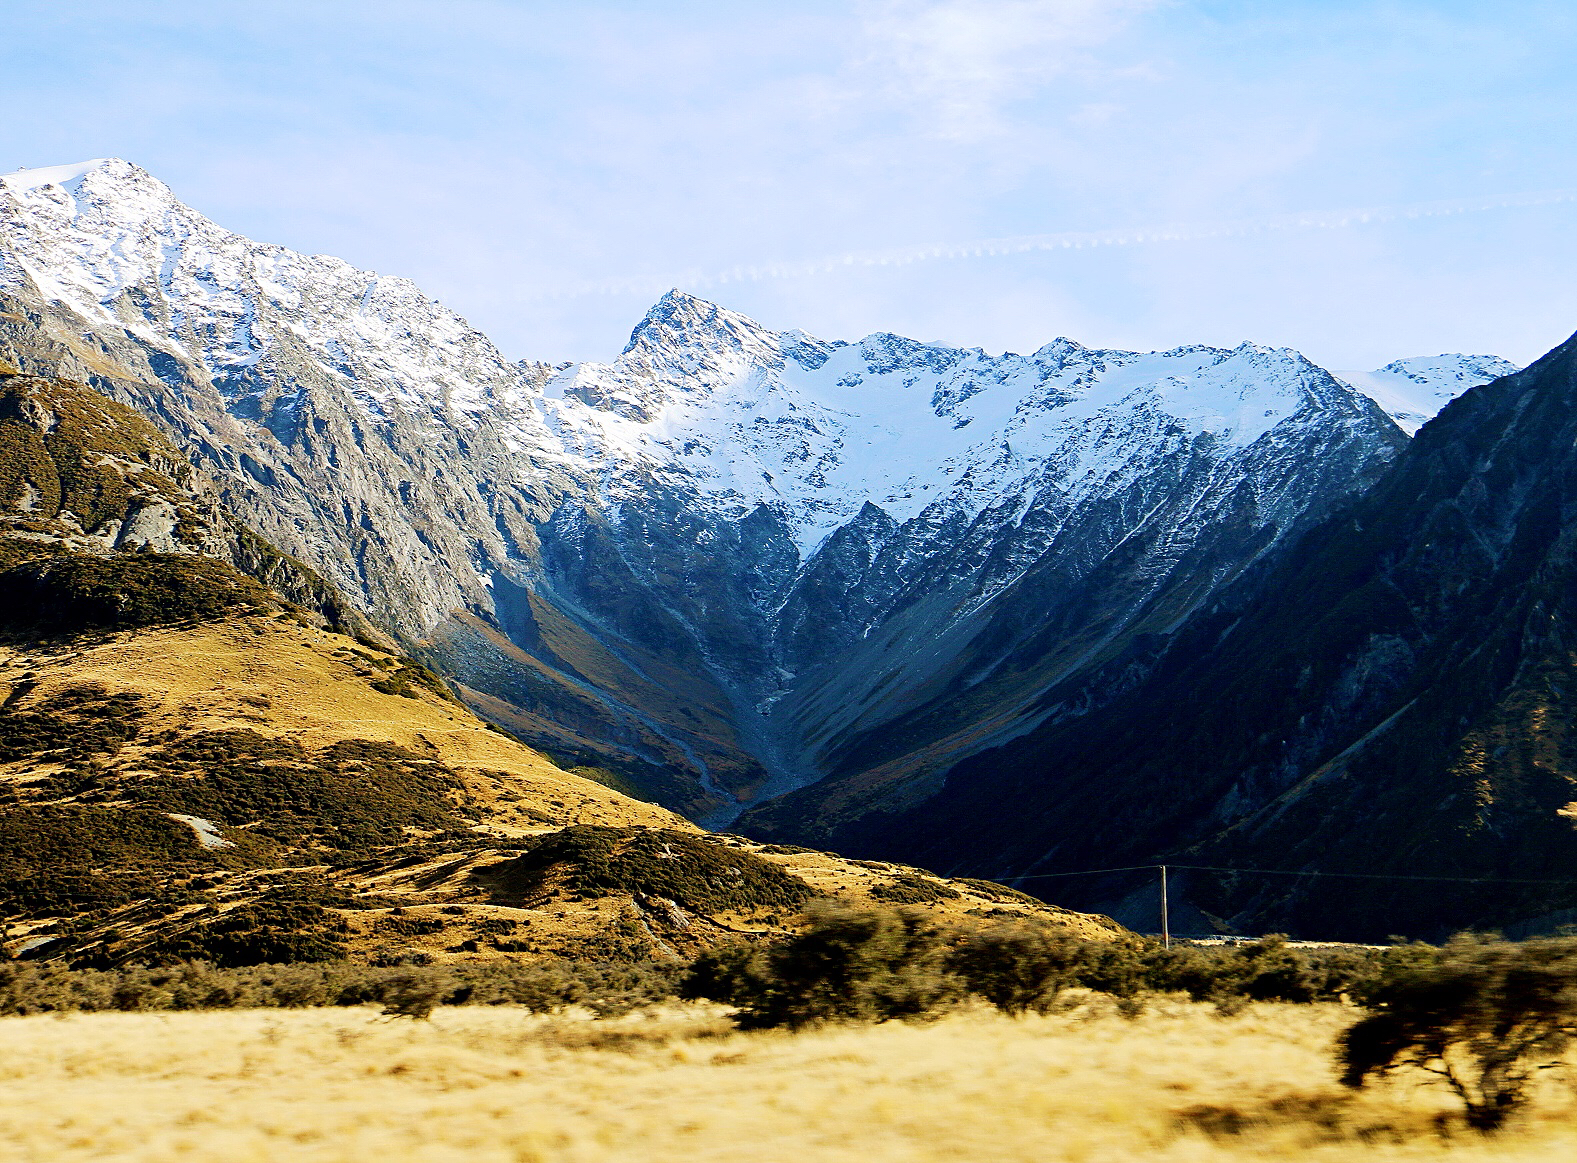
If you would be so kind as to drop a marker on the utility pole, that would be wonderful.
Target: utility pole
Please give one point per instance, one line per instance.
(1166, 920)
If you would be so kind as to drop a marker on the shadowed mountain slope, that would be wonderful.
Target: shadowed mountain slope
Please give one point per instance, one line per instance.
(1392, 693)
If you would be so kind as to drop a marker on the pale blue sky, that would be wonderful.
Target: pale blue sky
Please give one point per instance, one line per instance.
(517, 159)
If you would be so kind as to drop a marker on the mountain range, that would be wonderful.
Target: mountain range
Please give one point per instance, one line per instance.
(895, 597)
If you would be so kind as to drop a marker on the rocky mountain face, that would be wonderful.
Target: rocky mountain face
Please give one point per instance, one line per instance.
(733, 563)
(85, 481)
(889, 550)
(1391, 694)
(343, 416)
(327, 400)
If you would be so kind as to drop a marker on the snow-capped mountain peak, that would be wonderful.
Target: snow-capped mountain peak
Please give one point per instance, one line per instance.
(1413, 390)
(681, 322)
(112, 242)
(26, 179)
(816, 429)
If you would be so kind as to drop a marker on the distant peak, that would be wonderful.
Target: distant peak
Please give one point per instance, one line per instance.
(681, 316)
(1250, 347)
(679, 308)
(1492, 365)
(674, 297)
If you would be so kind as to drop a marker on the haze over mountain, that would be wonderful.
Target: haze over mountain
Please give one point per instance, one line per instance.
(731, 562)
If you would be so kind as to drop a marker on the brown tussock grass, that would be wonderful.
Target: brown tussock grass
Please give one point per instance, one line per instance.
(287, 680)
(324, 1086)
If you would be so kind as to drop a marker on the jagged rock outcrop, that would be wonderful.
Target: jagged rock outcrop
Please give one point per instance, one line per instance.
(81, 475)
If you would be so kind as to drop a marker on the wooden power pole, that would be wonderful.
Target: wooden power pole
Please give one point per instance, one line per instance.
(1166, 920)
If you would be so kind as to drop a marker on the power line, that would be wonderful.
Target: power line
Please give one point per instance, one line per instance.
(1085, 872)
(1289, 872)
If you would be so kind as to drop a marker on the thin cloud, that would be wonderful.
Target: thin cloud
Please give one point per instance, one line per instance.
(962, 59)
(1063, 240)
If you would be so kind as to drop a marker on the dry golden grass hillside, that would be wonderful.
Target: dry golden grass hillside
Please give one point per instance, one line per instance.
(284, 678)
(1175, 1085)
(260, 788)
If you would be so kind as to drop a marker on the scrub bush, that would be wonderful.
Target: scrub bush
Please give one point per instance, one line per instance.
(1484, 1015)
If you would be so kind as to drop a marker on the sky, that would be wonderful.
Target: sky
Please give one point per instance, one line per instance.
(1165, 172)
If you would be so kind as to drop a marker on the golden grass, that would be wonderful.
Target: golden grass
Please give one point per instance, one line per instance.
(486, 1085)
(849, 880)
(282, 679)
(314, 687)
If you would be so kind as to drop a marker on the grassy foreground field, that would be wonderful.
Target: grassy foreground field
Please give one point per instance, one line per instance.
(677, 1083)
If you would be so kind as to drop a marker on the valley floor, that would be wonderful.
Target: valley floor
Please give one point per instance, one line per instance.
(1178, 1083)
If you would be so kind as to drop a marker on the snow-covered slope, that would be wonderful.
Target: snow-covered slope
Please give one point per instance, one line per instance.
(331, 399)
(707, 398)
(112, 242)
(731, 560)
(1413, 390)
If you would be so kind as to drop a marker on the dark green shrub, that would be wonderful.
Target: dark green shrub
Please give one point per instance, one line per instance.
(848, 965)
(1017, 967)
(67, 858)
(1341, 974)
(408, 678)
(495, 925)
(736, 975)
(1482, 1014)
(353, 795)
(1265, 970)
(415, 995)
(542, 986)
(1273, 972)
(1022, 964)
(1120, 968)
(697, 872)
(72, 724)
(72, 593)
(411, 926)
(282, 930)
(909, 889)
(873, 964)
